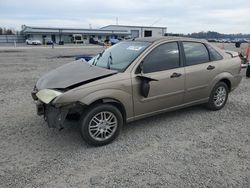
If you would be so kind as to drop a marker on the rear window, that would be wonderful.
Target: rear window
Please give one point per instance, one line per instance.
(214, 55)
(196, 53)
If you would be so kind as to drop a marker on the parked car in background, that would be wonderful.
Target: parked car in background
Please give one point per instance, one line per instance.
(84, 57)
(33, 42)
(212, 40)
(133, 80)
(49, 42)
(93, 41)
(114, 41)
(77, 39)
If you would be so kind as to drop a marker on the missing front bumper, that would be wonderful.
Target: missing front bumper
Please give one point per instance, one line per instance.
(39, 108)
(54, 117)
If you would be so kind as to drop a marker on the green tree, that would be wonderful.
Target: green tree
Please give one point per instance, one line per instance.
(9, 32)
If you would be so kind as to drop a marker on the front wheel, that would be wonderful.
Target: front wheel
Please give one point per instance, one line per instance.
(101, 124)
(218, 96)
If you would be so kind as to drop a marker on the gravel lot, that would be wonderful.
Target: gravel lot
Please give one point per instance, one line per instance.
(192, 147)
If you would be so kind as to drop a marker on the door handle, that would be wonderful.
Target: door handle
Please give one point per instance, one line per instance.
(175, 75)
(210, 67)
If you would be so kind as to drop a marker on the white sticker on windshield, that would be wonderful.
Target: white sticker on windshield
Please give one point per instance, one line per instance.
(135, 48)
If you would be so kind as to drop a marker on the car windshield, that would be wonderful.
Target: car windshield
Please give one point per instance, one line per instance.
(119, 56)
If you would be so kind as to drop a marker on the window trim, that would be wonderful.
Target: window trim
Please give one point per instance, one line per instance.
(181, 63)
(210, 53)
(184, 55)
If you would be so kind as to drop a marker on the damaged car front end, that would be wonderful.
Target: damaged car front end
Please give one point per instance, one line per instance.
(97, 94)
(53, 114)
(56, 83)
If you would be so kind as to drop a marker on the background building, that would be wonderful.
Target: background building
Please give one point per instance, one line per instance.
(139, 31)
(69, 35)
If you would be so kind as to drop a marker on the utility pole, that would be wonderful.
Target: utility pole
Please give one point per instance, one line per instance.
(117, 21)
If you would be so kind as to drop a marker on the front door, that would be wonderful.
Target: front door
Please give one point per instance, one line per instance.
(163, 65)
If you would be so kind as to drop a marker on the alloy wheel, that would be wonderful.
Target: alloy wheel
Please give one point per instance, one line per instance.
(220, 96)
(103, 125)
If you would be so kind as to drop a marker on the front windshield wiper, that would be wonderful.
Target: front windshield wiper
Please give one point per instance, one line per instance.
(94, 62)
(97, 58)
(110, 61)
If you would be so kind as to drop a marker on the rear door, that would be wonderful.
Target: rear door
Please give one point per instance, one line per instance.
(164, 65)
(200, 69)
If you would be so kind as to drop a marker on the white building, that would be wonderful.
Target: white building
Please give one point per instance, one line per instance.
(66, 34)
(112, 31)
(139, 31)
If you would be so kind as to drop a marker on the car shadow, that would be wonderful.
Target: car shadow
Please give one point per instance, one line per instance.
(70, 136)
(155, 120)
(165, 116)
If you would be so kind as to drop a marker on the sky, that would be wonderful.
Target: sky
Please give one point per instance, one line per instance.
(179, 16)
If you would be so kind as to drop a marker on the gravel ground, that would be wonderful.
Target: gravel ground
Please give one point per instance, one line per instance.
(192, 147)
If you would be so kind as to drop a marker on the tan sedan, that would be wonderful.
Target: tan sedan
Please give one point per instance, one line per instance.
(133, 80)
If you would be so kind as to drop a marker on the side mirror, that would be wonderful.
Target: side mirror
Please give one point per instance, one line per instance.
(145, 87)
(145, 81)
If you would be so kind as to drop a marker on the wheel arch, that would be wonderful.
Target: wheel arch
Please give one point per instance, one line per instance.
(227, 82)
(118, 104)
(120, 99)
(225, 77)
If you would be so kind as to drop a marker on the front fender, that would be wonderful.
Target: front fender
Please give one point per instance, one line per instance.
(123, 97)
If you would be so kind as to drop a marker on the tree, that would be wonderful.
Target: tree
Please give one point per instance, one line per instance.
(1, 31)
(9, 32)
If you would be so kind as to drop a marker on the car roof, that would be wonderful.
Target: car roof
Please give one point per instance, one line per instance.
(172, 38)
(167, 38)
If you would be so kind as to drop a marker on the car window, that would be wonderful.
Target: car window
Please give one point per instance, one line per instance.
(163, 57)
(195, 53)
(214, 55)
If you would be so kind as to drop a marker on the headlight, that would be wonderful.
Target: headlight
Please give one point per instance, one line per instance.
(47, 95)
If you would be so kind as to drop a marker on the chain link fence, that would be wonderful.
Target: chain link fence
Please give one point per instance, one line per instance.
(12, 39)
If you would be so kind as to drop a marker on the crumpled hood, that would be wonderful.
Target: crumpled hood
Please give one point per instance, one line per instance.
(72, 74)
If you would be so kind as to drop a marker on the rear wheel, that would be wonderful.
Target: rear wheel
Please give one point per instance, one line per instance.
(101, 124)
(218, 96)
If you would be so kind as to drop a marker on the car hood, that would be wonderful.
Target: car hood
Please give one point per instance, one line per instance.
(72, 75)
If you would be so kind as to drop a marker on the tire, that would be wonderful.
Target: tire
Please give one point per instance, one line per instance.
(101, 124)
(222, 90)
